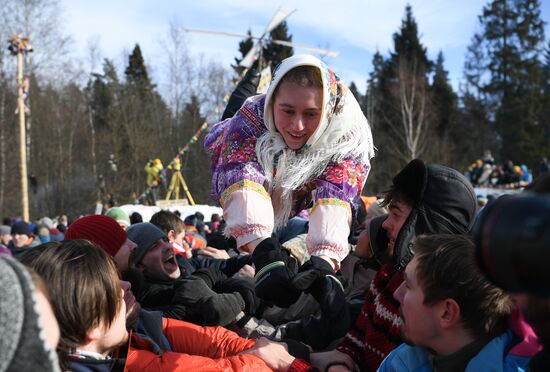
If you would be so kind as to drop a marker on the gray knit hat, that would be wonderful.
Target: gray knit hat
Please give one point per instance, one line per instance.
(145, 235)
(23, 345)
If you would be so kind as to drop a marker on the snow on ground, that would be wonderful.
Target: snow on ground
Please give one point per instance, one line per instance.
(486, 191)
(147, 211)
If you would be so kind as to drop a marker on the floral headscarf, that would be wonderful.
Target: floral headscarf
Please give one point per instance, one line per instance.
(343, 132)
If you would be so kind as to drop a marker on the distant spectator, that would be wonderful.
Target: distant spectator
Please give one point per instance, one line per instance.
(23, 238)
(5, 235)
(56, 235)
(192, 236)
(63, 223)
(120, 216)
(43, 233)
(5, 238)
(174, 228)
(488, 157)
(201, 228)
(215, 221)
(135, 218)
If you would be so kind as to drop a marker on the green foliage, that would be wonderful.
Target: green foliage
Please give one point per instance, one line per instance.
(510, 79)
(444, 99)
(244, 47)
(196, 163)
(275, 53)
(136, 72)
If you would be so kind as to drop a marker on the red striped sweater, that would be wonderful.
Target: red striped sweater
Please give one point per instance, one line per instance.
(376, 331)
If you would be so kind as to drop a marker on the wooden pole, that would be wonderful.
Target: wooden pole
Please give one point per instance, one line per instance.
(22, 141)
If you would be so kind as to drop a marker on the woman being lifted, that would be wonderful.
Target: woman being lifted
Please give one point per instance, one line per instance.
(305, 144)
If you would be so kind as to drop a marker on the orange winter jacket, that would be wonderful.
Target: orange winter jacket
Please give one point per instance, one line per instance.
(194, 348)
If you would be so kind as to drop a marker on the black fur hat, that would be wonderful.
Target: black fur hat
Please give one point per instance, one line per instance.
(444, 202)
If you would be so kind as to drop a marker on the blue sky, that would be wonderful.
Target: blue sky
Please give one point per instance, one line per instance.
(355, 28)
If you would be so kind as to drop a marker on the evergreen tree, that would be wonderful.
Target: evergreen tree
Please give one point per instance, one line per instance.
(275, 53)
(136, 72)
(404, 84)
(353, 89)
(444, 99)
(244, 47)
(196, 163)
(512, 36)
(544, 116)
(406, 70)
(374, 89)
(407, 45)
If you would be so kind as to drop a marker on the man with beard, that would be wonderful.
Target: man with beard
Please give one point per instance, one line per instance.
(453, 319)
(193, 298)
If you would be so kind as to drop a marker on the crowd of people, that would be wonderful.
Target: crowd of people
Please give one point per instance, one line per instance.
(302, 273)
(484, 172)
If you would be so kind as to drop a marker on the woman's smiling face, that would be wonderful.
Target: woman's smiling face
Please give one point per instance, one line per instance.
(297, 113)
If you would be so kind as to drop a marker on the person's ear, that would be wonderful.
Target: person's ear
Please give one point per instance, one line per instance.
(450, 313)
(94, 334)
(171, 235)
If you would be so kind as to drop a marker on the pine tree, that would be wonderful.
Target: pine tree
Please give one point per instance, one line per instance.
(353, 89)
(444, 99)
(544, 114)
(512, 35)
(407, 44)
(275, 53)
(196, 163)
(136, 72)
(405, 70)
(404, 92)
(244, 47)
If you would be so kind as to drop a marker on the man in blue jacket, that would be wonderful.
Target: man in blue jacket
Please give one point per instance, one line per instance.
(453, 318)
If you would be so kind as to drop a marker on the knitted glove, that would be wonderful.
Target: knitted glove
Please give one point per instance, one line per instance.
(274, 272)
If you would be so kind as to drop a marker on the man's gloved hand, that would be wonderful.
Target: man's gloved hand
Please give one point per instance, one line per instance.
(274, 272)
(313, 269)
(253, 304)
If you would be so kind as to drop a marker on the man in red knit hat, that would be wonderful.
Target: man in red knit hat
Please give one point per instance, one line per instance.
(105, 232)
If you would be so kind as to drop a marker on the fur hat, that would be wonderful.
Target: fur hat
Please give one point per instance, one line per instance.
(101, 230)
(444, 202)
